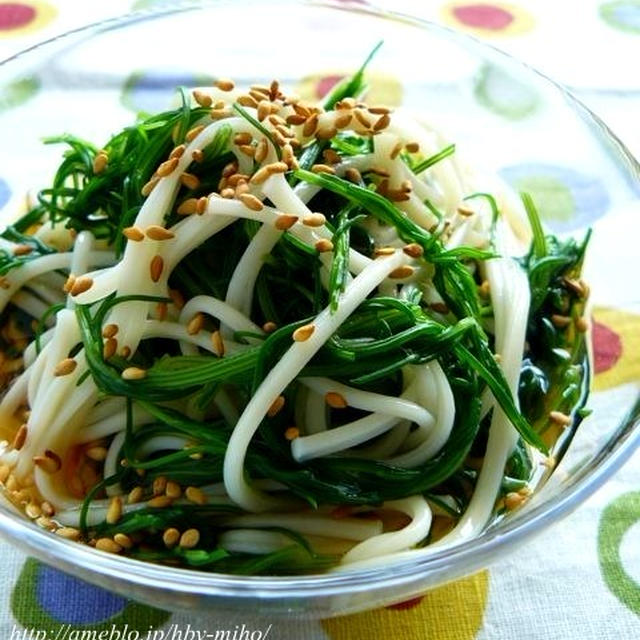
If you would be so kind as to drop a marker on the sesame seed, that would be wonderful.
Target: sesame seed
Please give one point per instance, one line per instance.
(310, 125)
(303, 333)
(125, 352)
(379, 110)
(247, 149)
(412, 147)
(197, 155)
(187, 207)
(109, 348)
(96, 453)
(331, 157)
(167, 167)
(170, 537)
(155, 268)
(224, 84)
(382, 123)
(189, 539)
(159, 485)
(228, 193)
(285, 221)
(100, 162)
(362, 119)
(80, 285)
(70, 533)
(133, 233)
(123, 540)
(383, 251)
(49, 462)
(195, 495)
(247, 101)
(33, 511)
(173, 490)
(65, 367)
(295, 119)
(292, 433)
(397, 195)
(219, 114)
(194, 132)
(110, 330)
(217, 343)
(582, 324)
(465, 211)
(260, 88)
(322, 168)
(251, 202)
(274, 89)
(22, 250)
(114, 512)
(177, 298)
(401, 272)
(135, 495)
(353, 175)
(326, 132)
(276, 406)
(379, 171)
(133, 373)
(323, 245)
(190, 181)
(242, 138)
(560, 321)
(336, 400)
(108, 545)
(513, 500)
(237, 178)
(314, 220)
(343, 120)
(276, 167)
(178, 151)
(413, 250)
(560, 418)
(269, 327)
(396, 151)
(201, 205)
(241, 189)
(195, 324)
(262, 150)
(156, 232)
(346, 103)
(202, 98)
(160, 502)
(264, 109)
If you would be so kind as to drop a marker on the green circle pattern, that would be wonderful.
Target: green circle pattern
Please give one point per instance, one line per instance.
(616, 520)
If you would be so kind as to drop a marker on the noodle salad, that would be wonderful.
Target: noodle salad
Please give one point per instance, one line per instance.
(257, 335)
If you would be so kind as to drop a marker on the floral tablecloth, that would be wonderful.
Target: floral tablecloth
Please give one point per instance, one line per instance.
(579, 579)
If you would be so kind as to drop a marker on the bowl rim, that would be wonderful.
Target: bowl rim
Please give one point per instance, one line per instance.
(70, 555)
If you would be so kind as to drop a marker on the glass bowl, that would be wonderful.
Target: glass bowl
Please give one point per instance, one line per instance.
(507, 117)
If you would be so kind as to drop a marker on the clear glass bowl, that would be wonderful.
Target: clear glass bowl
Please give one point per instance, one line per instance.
(511, 119)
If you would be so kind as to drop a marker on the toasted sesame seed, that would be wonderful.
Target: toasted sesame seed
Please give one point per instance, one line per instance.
(303, 333)
(383, 251)
(123, 540)
(247, 149)
(274, 89)
(194, 326)
(310, 125)
(22, 250)
(109, 348)
(397, 195)
(65, 367)
(362, 118)
(68, 285)
(203, 99)
(80, 285)
(336, 400)
(100, 162)
(401, 272)
(70, 533)
(219, 114)
(513, 500)
(197, 155)
(413, 250)
(114, 511)
(160, 502)
(582, 324)
(33, 511)
(201, 205)
(326, 132)
(156, 232)
(269, 327)
(217, 343)
(342, 120)
(189, 539)
(396, 151)
(194, 132)
(262, 149)
(228, 193)
(379, 171)
(135, 495)
(264, 109)
(295, 119)
(224, 84)
(322, 168)
(237, 178)
(133, 233)
(170, 537)
(382, 123)
(242, 138)
(260, 88)
(276, 167)
(173, 490)
(97, 453)
(108, 545)
(155, 268)
(560, 418)
(241, 189)
(195, 495)
(346, 103)
(190, 181)
(560, 321)
(133, 373)
(159, 485)
(125, 352)
(331, 157)
(248, 101)
(292, 433)
(314, 220)
(187, 207)
(177, 298)
(276, 406)
(353, 175)
(412, 147)
(323, 245)
(465, 211)
(251, 202)
(178, 151)
(167, 167)
(285, 221)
